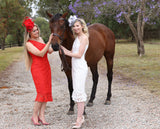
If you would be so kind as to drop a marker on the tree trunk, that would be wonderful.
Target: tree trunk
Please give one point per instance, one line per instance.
(3, 44)
(140, 29)
(19, 37)
(140, 48)
(138, 34)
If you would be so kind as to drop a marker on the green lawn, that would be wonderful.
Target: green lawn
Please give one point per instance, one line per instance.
(144, 70)
(9, 55)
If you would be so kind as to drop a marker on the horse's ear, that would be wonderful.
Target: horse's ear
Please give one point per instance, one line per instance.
(50, 15)
(64, 15)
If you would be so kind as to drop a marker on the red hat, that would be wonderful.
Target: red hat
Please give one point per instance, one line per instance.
(28, 23)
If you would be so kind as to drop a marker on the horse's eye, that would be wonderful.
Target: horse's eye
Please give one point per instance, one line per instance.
(61, 22)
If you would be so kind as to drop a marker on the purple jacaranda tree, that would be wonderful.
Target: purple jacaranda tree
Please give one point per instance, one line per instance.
(135, 12)
(86, 9)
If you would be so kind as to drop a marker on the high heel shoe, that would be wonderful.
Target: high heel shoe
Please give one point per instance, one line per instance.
(81, 121)
(79, 124)
(37, 124)
(43, 123)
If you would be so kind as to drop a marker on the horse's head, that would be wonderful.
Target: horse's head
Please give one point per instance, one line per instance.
(58, 25)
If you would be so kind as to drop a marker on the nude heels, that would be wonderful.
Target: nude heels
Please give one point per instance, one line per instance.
(37, 124)
(80, 124)
(43, 122)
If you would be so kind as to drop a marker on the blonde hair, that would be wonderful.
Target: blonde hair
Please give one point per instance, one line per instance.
(28, 58)
(83, 24)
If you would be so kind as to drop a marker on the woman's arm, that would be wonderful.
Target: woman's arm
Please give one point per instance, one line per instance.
(31, 48)
(82, 47)
(50, 50)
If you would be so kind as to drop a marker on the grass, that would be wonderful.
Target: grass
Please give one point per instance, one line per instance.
(153, 41)
(8, 56)
(144, 70)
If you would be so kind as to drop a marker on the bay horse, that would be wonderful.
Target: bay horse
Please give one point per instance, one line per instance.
(101, 43)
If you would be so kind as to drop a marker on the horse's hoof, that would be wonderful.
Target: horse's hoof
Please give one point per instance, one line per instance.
(84, 113)
(70, 112)
(89, 104)
(107, 102)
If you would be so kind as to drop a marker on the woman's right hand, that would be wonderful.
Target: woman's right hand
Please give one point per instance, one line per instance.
(50, 37)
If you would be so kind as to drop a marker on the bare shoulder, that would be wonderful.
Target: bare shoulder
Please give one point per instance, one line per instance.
(85, 39)
(41, 40)
(28, 44)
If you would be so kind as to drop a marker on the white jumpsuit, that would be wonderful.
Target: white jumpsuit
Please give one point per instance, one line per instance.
(79, 73)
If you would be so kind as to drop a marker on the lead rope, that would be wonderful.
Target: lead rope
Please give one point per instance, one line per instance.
(64, 62)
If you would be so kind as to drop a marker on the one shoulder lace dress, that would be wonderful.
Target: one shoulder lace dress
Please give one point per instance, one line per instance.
(41, 74)
(79, 73)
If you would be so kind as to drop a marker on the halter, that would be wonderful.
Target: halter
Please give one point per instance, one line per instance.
(61, 37)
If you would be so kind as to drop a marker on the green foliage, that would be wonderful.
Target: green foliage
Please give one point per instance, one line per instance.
(44, 27)
(11, 17)
(56, 6)
(152, 31)
(10, 39)
(121, 30)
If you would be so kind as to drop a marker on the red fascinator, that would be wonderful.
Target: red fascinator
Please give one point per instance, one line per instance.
(28, 23)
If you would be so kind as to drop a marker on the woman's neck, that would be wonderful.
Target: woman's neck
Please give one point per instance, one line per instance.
(36, 39)
(80, 35)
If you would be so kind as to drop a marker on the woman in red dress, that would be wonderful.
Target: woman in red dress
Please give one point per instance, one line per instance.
(36, 60)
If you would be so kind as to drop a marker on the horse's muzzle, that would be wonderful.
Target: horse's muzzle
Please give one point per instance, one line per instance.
(55, 47)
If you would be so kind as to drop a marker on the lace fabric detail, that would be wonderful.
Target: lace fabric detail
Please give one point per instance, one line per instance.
(43, 98)
(79, 97)
(79, 74)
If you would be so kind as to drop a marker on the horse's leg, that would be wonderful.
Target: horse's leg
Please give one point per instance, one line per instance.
(109, 61)
(70, 87)
(95, 77)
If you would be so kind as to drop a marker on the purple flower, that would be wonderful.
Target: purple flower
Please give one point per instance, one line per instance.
(138, 10)
(104, 3)
(87, 3)
(72, 9)
(70, 6)
(88, 24)
(119, 20)
(119, 15)
(97, 10)
(95, 15)
(145, 19)
(76, 5)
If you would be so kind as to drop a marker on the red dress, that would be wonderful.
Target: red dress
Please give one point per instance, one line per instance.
(41, 74)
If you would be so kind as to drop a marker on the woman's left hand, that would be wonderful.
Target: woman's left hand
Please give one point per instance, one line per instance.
(64, 49)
